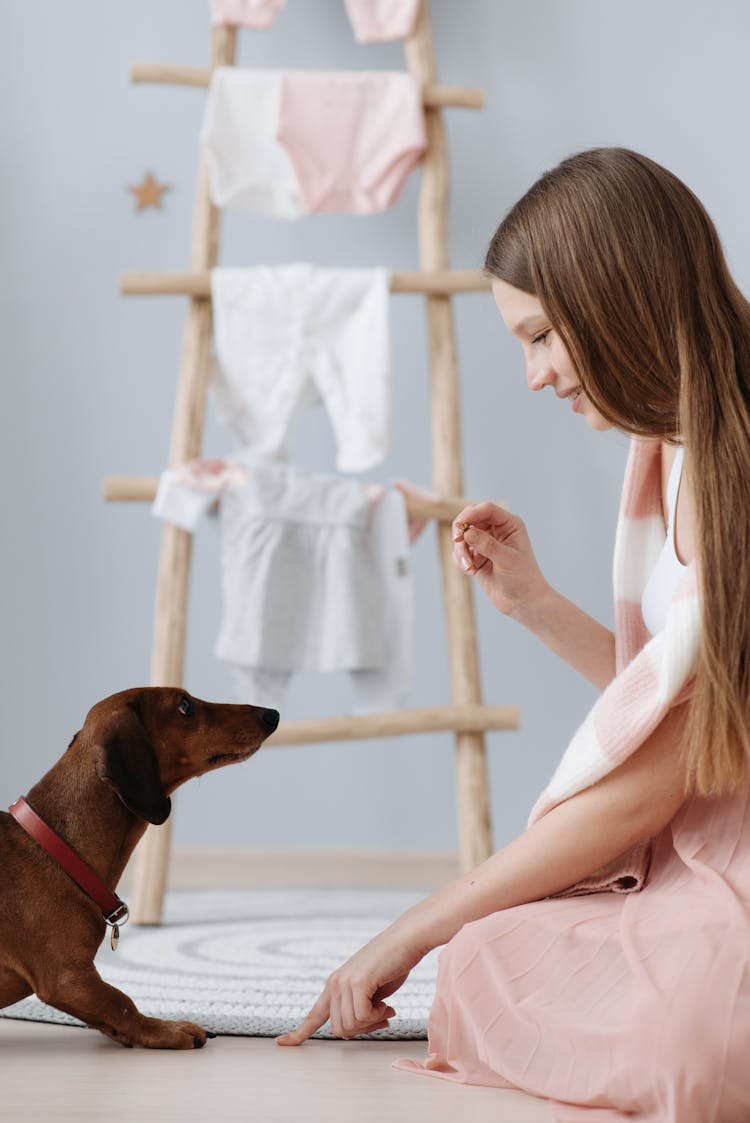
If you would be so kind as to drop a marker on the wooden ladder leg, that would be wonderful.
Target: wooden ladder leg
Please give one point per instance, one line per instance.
(472, 783)
(168, 662)
(152, 853)
(170, 623)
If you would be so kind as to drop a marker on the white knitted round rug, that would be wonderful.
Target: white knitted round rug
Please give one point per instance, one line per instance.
(252, 962)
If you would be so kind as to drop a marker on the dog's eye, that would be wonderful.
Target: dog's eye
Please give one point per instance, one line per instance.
(186, 707)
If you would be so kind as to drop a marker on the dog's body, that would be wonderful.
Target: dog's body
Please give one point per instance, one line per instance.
(134, 749)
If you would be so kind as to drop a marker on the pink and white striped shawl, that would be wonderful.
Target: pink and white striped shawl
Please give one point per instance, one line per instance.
(653, 673)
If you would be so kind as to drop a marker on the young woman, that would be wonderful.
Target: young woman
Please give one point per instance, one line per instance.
(613, 1004)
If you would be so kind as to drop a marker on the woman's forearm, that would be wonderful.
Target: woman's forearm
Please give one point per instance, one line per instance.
(572, 634)
(570, 842)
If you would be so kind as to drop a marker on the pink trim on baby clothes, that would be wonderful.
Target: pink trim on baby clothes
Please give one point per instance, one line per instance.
(380, 21)
(210, 474)
(352, 137)
(259, 14)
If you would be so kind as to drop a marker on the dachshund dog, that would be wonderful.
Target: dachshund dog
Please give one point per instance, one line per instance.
(116, 776)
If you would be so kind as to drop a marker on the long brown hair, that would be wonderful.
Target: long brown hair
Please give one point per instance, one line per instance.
(629, 269)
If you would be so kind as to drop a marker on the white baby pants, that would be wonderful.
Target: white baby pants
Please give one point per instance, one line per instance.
(292, 336)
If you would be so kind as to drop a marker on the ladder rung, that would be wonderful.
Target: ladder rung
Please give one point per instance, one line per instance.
(439, 282)
(142, 489)
(433, 96)
(130, 489)
(434, 719)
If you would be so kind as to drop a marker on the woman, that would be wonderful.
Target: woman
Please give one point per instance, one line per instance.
(613, 1004)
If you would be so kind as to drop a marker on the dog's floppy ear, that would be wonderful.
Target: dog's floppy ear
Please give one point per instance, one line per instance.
(125, 759)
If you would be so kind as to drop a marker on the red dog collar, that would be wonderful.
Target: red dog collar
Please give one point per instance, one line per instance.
(114, 911)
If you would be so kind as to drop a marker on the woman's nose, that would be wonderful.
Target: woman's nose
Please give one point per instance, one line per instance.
(539, 375)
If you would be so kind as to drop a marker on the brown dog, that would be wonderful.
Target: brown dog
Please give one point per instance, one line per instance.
(134, 749)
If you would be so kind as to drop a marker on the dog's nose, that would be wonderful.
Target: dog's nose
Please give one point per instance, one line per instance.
(270, 719)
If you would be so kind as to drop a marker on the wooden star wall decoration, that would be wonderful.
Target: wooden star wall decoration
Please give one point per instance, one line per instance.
(148, 193)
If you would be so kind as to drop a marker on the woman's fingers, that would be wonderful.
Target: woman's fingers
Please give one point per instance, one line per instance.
(363, 1007)
(353, 998)
(474, 549)
(494, 523)
(473, 511)
(378, 1018)
(480, 542)
(463, 556)
(483, 514)
(469, 561)
(343, 1019)
(383, 1023)
(355, 1012)
(317, 1017)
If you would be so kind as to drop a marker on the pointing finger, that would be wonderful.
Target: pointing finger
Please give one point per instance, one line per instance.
(317, 1017)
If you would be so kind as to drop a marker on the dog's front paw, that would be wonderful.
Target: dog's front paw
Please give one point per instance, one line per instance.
(177, 1035)
(154, 1033)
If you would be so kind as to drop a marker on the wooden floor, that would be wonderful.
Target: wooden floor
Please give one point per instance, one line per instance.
(62, 1073)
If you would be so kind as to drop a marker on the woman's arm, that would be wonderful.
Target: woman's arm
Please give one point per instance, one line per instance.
(572, 634)
(493, 546)
(573, 840)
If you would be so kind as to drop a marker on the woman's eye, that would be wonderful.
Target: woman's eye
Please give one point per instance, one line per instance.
(541, 338)
(186, 707)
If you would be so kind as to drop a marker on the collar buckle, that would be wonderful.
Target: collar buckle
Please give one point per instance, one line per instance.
(118, 916)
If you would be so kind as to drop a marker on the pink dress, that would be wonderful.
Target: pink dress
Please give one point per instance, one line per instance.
(615, 1006)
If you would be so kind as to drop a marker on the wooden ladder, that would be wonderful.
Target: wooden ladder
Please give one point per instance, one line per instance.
(466, 716)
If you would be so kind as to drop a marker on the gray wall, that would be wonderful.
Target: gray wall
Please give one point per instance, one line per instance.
(89, 377)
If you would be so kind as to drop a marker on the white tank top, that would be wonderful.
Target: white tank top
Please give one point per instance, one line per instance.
(666, 574)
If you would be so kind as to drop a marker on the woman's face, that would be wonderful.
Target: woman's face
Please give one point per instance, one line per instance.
(547, 361)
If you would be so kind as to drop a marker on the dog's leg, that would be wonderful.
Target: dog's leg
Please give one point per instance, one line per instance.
(13, 987)
(82, 992)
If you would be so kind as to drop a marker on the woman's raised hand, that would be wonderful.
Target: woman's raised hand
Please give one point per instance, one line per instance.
(492, 544)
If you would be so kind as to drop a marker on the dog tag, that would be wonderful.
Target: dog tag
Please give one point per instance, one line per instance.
(114, 939)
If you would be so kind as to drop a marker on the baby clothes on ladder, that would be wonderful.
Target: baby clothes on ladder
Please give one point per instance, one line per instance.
(380, 21)
(292, 336)
(189, 491)
(373, 21)
(387, 688)
(284, 143)
(186, 493)
(353, 139)
(315, 577)
(247, 167)
(259, 14)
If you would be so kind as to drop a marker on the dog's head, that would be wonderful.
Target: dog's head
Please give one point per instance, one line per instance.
(148, 741)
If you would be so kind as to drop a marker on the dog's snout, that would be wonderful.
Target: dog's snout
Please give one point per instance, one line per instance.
(270, 719)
